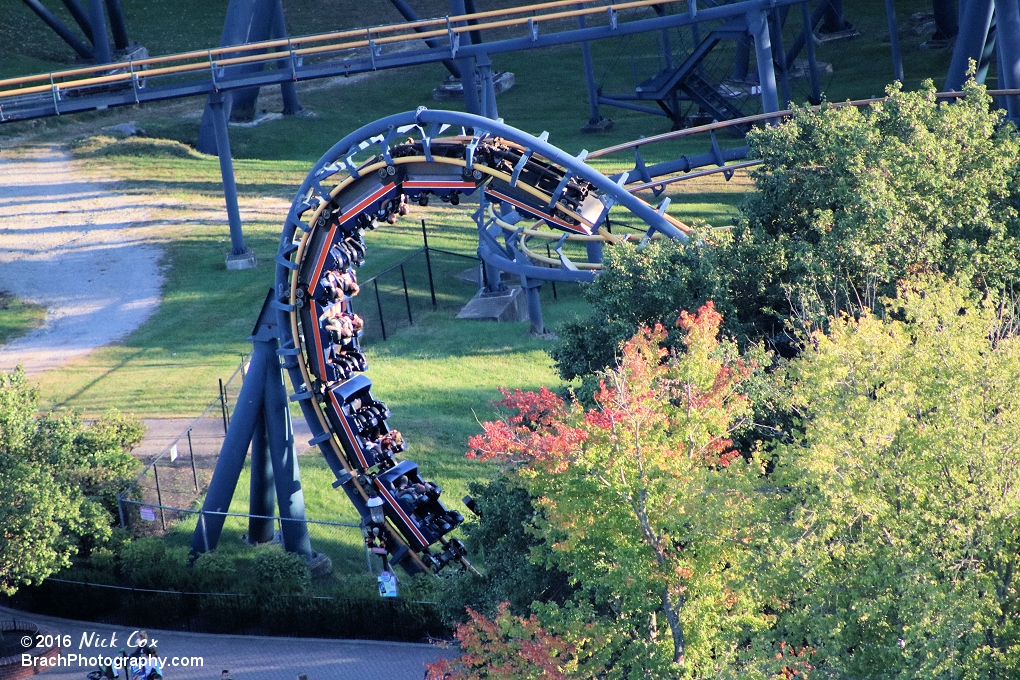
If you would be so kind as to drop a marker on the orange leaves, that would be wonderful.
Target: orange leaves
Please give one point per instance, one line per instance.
(694, 398)
(506, 647)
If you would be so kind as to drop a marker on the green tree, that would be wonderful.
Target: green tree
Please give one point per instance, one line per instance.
(644, 501)
(638, 287)
(503, 538)
(851, 200)
(847, 202)
(904, 492)
(56, 480)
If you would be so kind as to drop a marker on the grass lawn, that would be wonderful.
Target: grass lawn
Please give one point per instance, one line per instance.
(18, 317)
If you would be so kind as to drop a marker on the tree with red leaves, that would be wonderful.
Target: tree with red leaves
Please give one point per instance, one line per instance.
(644, 501)
(507, 647)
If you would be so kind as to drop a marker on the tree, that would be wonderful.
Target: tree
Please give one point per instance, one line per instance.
(904, 492)
(56, 479)
(507, 647)
(638, 287)
(851, 200)
(848, 201)
(503, 538)
(644, 501)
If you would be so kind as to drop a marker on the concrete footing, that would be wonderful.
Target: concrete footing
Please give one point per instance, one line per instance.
(245, 260)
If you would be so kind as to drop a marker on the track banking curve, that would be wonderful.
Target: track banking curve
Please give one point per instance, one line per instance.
(367, 179)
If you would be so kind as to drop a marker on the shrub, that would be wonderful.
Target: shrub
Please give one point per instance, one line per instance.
(280, 573)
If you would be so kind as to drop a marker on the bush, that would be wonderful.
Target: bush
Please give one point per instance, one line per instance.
(280, 573)
(214, 572)
(147, 563)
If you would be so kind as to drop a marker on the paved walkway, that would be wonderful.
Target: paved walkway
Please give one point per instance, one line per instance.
(250, 657)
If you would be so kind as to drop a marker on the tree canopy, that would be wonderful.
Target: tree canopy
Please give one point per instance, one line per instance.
(58, 483)
(848, 201)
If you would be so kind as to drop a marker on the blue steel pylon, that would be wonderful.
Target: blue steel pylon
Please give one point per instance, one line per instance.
(987, 27)
(261, 418)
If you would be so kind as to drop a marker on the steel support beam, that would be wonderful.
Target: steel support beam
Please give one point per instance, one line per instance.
(100, 37)
(533, 290)
(408, 13)
(77, 12)
(219, 119)
(290, 497)
(61, 29)
(758, 27)
(894, 39)
(288, 88)
(1007, 23)
(231, 459)
(261, 496)
(120, 37)
(466, 64)
(972, 42)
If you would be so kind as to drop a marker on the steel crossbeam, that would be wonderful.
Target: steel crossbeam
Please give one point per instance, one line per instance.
(329, 55)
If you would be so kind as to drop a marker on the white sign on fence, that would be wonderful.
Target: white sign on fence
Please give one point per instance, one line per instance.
(148, 514)
(173, 453)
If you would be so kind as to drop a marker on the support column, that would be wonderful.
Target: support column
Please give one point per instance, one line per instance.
(488, 99)
(468, 77)
(492, 283)
(290, 498)
(231, 459)
(100, 37)
(777, 23)
(1007, 24)
(894, 40)
(594, 249)
(596, 123)
(976, 17)
(758, 27)
(240, 257)
(120, 37)
(261, 499)
(533, 290)
(947, 23)
(288, 89)
(61, 29)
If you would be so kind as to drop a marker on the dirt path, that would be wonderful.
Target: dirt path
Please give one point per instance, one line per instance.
(78, 248)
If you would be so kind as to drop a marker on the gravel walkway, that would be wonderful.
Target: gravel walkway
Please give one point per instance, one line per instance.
(76, 247)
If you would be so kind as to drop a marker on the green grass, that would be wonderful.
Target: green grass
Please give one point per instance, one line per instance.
(18, 317)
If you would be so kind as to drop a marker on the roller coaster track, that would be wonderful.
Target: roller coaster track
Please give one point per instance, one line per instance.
(340, 53)
(368, 179)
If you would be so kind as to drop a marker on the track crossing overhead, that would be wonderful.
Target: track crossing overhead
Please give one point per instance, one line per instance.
(326, 55)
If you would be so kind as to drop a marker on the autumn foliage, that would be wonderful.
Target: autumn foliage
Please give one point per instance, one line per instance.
(507, 647)
(641, 494)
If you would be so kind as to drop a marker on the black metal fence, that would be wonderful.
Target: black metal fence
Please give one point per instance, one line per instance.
(348, 616)
(429, 279)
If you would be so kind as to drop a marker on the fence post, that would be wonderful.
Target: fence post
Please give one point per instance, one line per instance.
(378, 304)
(241, 367)
(407, 298)
(191, 449)
(120, 510)
(548, 252)
(159, 497)
(223, 406)
(428, 263)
